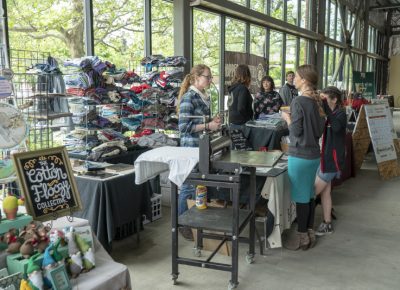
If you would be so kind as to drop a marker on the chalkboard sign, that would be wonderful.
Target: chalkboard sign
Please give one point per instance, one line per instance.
(47, 183)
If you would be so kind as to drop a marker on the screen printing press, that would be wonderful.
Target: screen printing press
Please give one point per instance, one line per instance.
(213, 164)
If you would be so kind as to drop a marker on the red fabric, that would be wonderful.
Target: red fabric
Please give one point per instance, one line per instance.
(138, 89)
(357, 103)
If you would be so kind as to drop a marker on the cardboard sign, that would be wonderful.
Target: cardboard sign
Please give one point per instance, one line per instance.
(47, 183)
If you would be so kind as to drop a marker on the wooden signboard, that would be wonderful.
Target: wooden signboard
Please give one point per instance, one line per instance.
(373, 124)
(47, 183)
(361, 139)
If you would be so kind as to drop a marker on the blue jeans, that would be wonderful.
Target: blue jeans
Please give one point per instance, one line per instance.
(187, 192)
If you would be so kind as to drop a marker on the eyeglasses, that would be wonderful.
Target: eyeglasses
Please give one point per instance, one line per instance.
(207, 77)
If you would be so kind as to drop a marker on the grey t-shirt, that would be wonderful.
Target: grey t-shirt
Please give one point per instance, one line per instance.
(306, 128)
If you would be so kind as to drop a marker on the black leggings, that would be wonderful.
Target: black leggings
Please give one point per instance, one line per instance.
(305, 216)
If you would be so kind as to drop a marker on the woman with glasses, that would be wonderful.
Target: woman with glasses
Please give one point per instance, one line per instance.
(193, 100)
(240, 106)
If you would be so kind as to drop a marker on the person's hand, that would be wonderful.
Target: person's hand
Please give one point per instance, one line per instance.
(214, 126)
(217, 118)
(286, 117)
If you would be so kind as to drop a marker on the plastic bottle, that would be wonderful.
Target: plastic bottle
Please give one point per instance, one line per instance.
(201, 197)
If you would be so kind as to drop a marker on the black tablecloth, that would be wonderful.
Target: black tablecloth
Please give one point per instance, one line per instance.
(263, 137)
(113, 205)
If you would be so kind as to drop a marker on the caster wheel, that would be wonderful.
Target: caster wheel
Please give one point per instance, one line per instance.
(197, 252)
(250, 259)
(232, 285)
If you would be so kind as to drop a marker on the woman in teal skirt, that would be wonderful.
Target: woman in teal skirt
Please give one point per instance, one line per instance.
(306, 124)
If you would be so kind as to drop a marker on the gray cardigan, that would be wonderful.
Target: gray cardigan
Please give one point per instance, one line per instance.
(286, 94)
(305, 129)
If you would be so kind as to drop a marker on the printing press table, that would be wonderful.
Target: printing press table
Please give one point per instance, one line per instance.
(221, 171)
(230, 221)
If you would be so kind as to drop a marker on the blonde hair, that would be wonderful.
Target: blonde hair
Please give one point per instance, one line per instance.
(189, 80)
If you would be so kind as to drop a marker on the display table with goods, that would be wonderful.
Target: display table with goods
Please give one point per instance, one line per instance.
(65, 255)
(265, 133)
(111, 201)
(211, 165)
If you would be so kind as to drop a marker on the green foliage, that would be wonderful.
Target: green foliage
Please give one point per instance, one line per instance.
(235, 32)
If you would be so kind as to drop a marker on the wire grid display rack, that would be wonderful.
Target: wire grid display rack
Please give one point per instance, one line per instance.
(37, 96)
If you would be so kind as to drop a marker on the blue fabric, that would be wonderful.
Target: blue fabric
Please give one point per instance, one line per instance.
(187, 192)
(327, 176)
(302, 178)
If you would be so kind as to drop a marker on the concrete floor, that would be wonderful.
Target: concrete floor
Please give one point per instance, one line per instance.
(362, 253)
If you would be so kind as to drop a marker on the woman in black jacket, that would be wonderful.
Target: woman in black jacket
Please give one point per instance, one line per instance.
(240, 105)
(332, 153)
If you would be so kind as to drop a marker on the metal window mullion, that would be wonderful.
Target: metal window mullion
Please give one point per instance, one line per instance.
(283, 58)
(285, 10)
(89, 38)
(6, 37)
(267, 44)
(222, 63)
(297, 52)
(299, 13)
(147, 28)
(247, 37)
(326, 61)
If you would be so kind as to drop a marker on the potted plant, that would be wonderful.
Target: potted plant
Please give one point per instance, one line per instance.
(10, 207)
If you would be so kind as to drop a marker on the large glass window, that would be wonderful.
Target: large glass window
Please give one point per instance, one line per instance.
(206, 46)
(275, 57)
(291, 55)
(55, 26)
(241, 2)
(332, 20)
(277, 9)
(305, 13)
(339, 30)
(257, 40)
(303, 53)
(162, 38)
(292, 11)
(118, 31)
(235, 32)
(258, 5)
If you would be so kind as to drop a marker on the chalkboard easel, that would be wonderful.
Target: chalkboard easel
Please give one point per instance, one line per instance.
(47, 183)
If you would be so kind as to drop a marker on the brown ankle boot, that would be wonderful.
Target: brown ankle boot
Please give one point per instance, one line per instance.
(291, 240)
(304, 241)
(313, 239)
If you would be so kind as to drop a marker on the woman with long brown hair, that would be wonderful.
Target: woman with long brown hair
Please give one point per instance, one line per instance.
(240, 103)
(332, 153)
(193, 101)
(306, 124)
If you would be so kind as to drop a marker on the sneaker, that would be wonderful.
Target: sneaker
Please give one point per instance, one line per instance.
(187, 234)
(324, 229)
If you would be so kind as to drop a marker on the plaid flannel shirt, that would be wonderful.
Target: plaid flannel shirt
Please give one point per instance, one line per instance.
(191, 104)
